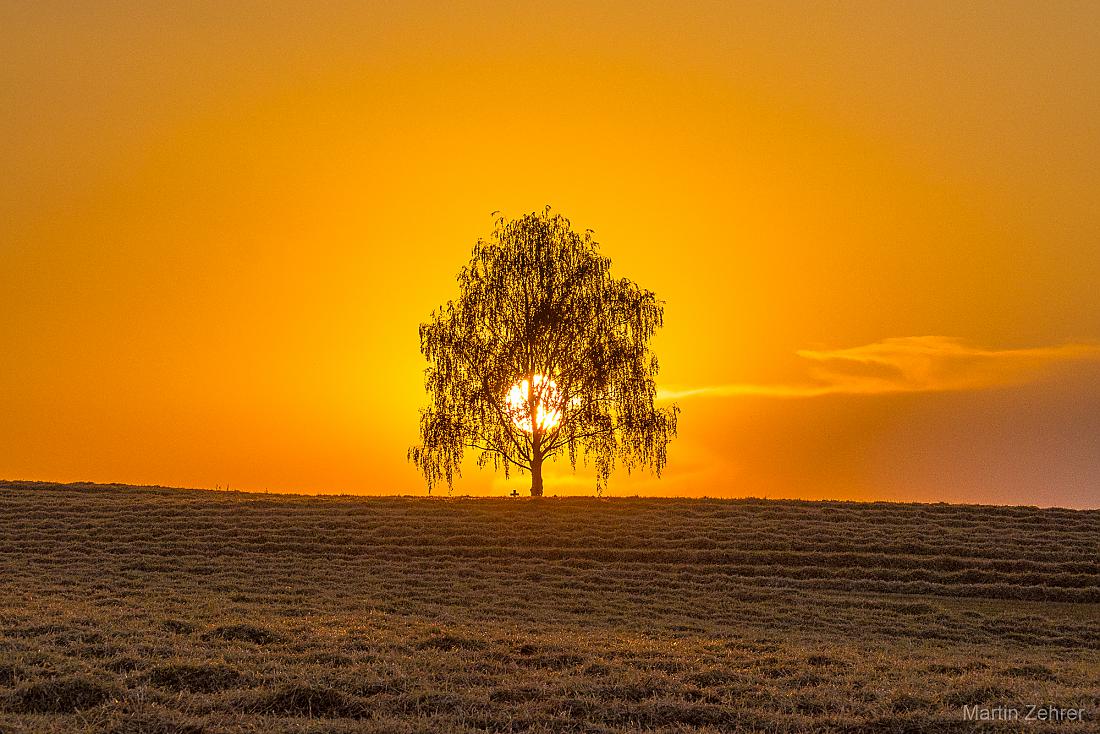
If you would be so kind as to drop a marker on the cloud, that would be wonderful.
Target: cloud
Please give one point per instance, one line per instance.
(906, 364)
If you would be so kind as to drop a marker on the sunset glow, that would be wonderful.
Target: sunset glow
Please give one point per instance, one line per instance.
(873, 226)
(546, 397)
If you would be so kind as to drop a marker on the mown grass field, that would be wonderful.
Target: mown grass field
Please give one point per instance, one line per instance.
(157, 610)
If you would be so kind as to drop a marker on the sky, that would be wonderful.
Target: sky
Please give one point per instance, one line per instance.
(874, 226)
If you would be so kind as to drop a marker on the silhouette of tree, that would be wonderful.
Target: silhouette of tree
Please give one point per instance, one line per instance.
(543, 355)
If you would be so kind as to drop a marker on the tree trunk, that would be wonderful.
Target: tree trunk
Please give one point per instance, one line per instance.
(536, 477)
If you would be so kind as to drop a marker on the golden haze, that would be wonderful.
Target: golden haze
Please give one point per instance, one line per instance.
(221, 225)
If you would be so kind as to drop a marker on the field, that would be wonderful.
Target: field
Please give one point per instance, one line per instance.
(157, 610)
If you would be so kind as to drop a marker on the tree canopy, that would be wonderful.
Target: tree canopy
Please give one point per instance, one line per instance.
(544, 354)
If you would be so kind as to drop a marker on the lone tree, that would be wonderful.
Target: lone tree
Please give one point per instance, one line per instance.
(543, 354)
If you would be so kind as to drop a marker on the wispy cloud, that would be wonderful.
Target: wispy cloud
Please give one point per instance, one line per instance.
(906, 364)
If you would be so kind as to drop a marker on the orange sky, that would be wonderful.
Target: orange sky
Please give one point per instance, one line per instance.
(875, 227)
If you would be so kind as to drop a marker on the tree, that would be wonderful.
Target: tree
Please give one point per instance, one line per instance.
(544, 354)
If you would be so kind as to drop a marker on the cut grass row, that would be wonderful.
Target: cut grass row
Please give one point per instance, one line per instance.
(160, 611)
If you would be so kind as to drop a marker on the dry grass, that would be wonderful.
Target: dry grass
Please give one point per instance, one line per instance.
(155, 610)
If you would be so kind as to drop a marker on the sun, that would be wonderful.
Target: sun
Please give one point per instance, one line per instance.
(547, 399)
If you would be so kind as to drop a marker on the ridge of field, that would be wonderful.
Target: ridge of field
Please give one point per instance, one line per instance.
(154, 609)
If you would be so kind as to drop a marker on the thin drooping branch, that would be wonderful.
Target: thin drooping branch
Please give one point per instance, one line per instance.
(499, 452)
